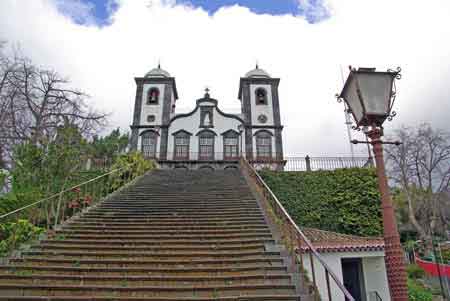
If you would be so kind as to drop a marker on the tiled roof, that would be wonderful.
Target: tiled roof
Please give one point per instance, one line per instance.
(326, 241)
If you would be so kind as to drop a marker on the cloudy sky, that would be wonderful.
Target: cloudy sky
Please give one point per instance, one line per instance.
(101, 45)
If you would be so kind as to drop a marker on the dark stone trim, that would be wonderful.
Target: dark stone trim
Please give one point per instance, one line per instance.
(184, 115)
(229, 115)
(134, 139)
(231, 133)
(248, 143)
(147, 126)
(164, 142)
(276, 105)
(263, 131)
(149, 131)
(278, 144)
(246, 105)
(166, 104)
(264, 127)
(203, 131)
(181, 132)
(138, 104)
(197, 108)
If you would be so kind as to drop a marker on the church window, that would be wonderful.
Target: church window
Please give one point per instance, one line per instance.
(149, 142)
(261, 96)
(230, 146)
(153, 96)
(181, 147)
(206, 146)
(263, 145)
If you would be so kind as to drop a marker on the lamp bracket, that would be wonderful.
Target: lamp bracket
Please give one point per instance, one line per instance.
(397, 143)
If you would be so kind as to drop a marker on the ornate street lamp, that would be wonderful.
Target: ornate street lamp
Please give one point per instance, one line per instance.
(369, 96)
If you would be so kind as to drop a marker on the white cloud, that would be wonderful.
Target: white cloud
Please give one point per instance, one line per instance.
(214, 51)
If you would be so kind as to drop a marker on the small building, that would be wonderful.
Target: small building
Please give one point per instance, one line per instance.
(207, 137)
(357, 261)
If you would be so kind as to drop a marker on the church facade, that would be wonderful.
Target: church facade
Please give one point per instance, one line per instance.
(207, 137)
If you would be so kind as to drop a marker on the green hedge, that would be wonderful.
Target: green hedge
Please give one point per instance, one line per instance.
(343, 200)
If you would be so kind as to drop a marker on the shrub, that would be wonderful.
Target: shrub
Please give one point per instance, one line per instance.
(343, 200)
(414, 271)
(418, 292)
(14, 233)
(133, 165)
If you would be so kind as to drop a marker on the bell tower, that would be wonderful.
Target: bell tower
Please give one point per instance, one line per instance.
(260, 107)
(155, 101)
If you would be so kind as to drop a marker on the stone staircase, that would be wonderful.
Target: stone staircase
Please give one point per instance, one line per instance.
(173, 235)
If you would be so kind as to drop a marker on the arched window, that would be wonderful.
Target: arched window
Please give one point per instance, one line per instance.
(263, 145)
(181, 145)
(230, 145)
(149, 141)
(261, 96)
(206, 145)
(153, 96)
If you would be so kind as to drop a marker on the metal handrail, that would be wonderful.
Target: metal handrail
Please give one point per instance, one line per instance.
(62, 191)
(299, 232)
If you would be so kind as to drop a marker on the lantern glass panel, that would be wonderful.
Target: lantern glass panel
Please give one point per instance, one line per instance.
(376, 90)
(350, 96)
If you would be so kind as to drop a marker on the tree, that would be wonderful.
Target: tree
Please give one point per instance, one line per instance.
(35, 102)
(420, 169)
(110, 145)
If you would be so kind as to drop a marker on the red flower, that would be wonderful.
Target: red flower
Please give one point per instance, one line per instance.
(73, 204)
(87, 200)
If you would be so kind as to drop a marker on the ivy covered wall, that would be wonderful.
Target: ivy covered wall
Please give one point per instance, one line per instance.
(344, 200)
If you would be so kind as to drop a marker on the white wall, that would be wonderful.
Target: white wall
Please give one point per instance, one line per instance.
(374, 272)
(192, 125)
(152, 109)
(261, 109)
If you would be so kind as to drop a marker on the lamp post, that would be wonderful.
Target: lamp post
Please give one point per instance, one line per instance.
(370, 96)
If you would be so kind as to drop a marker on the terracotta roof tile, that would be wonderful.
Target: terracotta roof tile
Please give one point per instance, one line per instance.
(326, 241)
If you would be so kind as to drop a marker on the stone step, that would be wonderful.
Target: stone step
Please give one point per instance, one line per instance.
(173, 213)
(163, 223)
(149, 209)
(82, 227)
(267, 297)
(131, 281)
(162, 232)
(179, 235)
(128, 262)
(148, 291)
(19, 269)
(165, 248)
(171, 218)
(148, 255)
(172, 242)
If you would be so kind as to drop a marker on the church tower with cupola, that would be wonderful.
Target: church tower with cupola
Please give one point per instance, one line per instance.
(154, 106)
(260, 106)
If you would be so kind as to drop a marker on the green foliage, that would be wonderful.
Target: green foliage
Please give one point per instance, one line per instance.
(110, 145)
(343, 200)
(414, 271)
(418, 292)
(14, 233)
(132, 165)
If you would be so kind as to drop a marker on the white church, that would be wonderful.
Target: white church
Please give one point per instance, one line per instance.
(207, 137)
